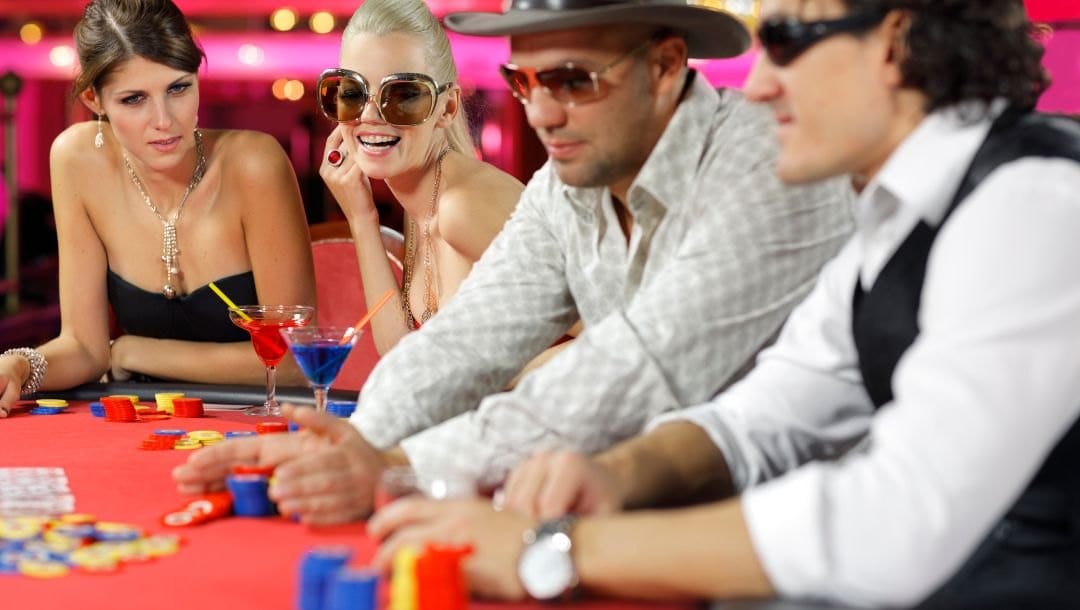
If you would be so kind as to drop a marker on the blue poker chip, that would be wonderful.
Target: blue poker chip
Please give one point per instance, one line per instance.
(293, 426)
(47, 410)
(170, 432)
(239, 434)
(341, 408)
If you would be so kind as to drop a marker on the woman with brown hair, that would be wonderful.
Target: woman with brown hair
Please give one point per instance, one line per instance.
(150, 209)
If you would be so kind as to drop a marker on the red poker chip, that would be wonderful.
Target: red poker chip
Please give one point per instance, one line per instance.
(271, 427)
(253, 469)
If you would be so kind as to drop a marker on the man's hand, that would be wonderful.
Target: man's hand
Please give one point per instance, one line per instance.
(496, 538)
(207, 468)
(551, 485)
(332, 478)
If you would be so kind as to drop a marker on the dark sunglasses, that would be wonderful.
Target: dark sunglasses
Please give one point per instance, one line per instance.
(402, 100)
(786, 38)
(568, 84)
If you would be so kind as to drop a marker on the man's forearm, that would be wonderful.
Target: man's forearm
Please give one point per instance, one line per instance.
(675, 463)
(701, 552)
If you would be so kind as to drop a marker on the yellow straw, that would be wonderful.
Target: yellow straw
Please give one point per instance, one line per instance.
(229, 302)
(367, 317)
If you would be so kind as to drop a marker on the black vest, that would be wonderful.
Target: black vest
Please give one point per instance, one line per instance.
(1031, 558)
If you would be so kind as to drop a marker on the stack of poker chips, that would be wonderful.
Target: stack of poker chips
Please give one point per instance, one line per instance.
(429, 580)
(249, 486)
(317, 569)
(352, 589)
(164, 400)
(44, 547)
(341, 408)
(162, 439)
(181, 440)
(120, 408)
(49, 406)
(187, 407)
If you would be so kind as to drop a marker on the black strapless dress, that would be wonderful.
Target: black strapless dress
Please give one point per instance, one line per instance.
(198, 316)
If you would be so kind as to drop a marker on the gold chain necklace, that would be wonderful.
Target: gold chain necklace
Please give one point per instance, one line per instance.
(431, 300)
(170, 249)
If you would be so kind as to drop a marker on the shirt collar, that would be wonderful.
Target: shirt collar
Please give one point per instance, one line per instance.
(924, 172)
(681, 145)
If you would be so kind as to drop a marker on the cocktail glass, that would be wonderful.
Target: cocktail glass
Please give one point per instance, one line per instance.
(320, 351)
(263, 323)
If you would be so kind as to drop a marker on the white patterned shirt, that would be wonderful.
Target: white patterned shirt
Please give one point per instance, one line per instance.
(719, 254)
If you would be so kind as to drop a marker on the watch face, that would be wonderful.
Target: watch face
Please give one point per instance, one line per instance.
(546, 570)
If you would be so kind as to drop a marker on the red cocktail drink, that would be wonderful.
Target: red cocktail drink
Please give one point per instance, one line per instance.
(263, 323)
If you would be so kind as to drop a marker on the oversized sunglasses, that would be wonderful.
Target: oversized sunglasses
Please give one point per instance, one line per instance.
(568, 84)
(785, 38)
(403, 100)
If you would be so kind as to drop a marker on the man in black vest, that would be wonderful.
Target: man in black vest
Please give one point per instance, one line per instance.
(911, 438)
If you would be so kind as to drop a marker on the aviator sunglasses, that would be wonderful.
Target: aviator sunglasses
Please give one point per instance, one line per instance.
(568, 84)
(402, 100)
(785, 38)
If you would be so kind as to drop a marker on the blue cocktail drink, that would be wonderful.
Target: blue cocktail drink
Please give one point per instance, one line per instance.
(320, 351)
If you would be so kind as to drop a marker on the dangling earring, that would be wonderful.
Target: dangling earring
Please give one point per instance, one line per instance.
(99, 139)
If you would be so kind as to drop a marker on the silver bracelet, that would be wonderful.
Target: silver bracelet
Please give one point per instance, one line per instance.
(38, 366)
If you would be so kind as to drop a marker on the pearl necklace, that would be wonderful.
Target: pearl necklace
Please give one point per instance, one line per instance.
(170, 249)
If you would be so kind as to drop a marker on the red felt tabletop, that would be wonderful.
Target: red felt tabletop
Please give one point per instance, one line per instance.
(228, 564)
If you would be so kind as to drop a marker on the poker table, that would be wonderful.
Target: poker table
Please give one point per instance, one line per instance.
(227, 563)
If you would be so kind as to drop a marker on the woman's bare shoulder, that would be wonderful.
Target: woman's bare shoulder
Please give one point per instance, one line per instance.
(76, 165)
(75, 142)
(482, 183)
(248, 156)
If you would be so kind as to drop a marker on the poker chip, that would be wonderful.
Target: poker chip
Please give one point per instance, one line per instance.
(239, 434)
(205, 435)
(252, 469)
(51, 402)
(77, 518)
(159, 545)
(271, 427)
(341, 408)
(188, 407)
(164, 400)
(47, 410)
(43, 569)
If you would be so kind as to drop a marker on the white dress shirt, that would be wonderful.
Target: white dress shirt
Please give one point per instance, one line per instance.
(719, 255)
(984, 393)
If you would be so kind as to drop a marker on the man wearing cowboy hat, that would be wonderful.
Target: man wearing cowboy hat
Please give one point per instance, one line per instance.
(657, 222)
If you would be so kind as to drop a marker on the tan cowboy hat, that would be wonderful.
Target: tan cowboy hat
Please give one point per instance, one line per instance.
(710, 32)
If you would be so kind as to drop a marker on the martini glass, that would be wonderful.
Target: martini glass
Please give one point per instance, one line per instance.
(263, 323)
(320, 351)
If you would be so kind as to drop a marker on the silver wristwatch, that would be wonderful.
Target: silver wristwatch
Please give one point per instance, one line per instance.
(546, 566)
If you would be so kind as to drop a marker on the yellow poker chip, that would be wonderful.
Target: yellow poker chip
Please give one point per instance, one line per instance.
(187, 446)
(77, 518)
(19, 529)
(143, 408)
(94, 558)
(42, 569)
(160, 545)
(51, 402)
(164, 400)
(205, 435)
